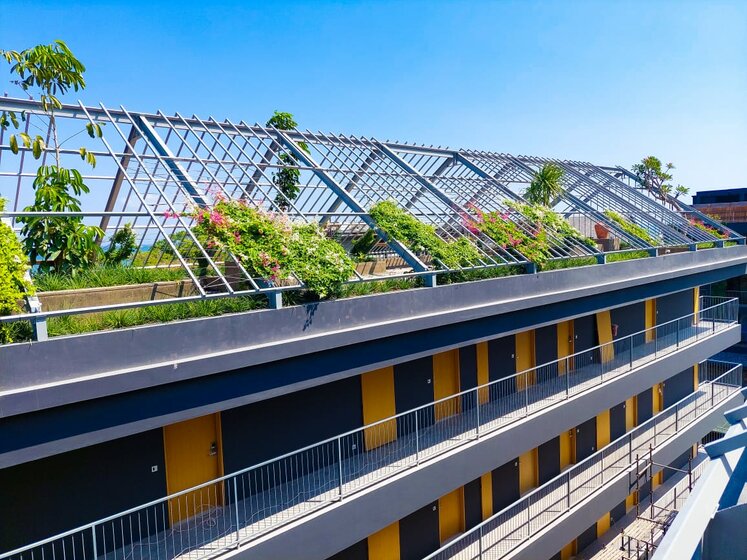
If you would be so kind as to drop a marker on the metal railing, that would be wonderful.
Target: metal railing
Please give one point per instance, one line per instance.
(499, 535)
(238, 507)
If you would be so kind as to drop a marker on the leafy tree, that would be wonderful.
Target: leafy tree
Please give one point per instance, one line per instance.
(13, 282)
(286, 179)
(122, 246)
(59, 243)
(655, 177)
(545, 186)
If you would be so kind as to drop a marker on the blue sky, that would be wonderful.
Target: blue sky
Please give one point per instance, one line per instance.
(608, 82)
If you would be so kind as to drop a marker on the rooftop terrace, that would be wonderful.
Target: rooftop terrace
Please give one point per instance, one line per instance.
(164, 177)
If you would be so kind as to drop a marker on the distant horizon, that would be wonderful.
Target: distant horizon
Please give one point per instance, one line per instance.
(608, 83)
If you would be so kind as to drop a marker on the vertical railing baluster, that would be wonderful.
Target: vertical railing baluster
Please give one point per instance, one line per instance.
(477, 413)
(93, 541)
(339, 459)
(417, 440)
(236, 507)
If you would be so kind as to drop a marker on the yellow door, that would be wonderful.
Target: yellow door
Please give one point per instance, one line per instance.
(658, 406)
(483, 377)
(630, 413)
(528, 471)
(525, 359)
(565, 344)
(650, 319)
(451, 514)
(695, 377)
(567, 551)
(696, 304)
(603, 524)
(384, 545)
(486, 488)
(603, 429)
(566, 449)
(377, 388)
(446, 383)
(193, 456)
(604, 332)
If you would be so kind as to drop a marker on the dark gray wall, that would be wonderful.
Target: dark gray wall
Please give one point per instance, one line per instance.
(359, 551)
(472, 503)
(267, 429)
(418, 533)
(629, 319)
(548, 457)
(52, 495)
(675, 305)
(586, 439)
(617, 421)
(505, 485)
(678, 387)
(645, 405)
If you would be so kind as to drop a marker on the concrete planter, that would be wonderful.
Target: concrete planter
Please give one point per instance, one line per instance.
(93, 297)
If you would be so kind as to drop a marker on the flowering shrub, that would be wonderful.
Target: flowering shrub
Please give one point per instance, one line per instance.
(631, 228)
(708, 229)
(550, 230)
(420, 237)
(271, 247)
(13, 285)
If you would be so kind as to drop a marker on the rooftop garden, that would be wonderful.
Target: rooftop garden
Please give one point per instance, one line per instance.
(251, 245)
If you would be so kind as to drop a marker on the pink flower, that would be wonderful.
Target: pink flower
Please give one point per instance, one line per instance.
(217, 219)
(504, 216)
(237, 236)
(169, 214)
(265, 258)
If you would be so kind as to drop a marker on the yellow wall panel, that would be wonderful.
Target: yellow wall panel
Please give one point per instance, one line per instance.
(446, 383)
(566, 449)
(695, 377)
(525, 359)
(377, 388)
(483, 377)
(658, 398)
(696, 303)
(451, 514)
(384, 545)
(603, 429)
(486, 488)
(650, 318)
(567, 552)
(604, 332)
(528, 471)
(603, 525)
(630, 413)
(631, 500)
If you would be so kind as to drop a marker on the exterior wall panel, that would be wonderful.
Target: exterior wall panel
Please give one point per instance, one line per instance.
(418, 533)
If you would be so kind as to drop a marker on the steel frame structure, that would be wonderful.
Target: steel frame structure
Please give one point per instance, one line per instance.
(153, 169)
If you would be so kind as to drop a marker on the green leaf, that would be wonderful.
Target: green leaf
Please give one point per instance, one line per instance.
(13, 144)
(89, 129)
(26, 139)
(37, 149)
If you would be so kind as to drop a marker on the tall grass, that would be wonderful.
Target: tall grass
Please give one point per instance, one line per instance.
(103, 276)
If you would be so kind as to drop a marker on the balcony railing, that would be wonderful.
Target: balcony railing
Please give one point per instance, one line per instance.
(498, 536)
(234, 509)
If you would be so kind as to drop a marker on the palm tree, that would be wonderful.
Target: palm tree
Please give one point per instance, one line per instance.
(545, 186)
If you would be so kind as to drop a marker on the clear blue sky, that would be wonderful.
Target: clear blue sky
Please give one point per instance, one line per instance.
(608, 82)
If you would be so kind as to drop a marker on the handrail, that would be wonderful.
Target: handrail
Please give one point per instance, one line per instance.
(723, 312)
(579, 467)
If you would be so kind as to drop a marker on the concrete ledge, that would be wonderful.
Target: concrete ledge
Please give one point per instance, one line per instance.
(587, 512)
(363, 513)
(70, 369)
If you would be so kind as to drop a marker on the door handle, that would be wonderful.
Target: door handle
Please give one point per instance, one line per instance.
(213, 449)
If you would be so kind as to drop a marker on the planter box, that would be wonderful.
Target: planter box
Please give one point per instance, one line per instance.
(609, 244)
(93, 297)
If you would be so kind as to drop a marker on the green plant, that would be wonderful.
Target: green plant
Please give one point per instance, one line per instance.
(654, 176)
(63, 243)
(271, 247)
(121, 247)
(551, 221)
(420, 237)
(631, 228)
(13, 283)
(545, 186)
(103, 276)
(287, 177)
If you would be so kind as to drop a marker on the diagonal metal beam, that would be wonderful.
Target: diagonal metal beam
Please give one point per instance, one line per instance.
(168, 158)
(367, 163)
(119, 178)
(408, 256)
(441, 169)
